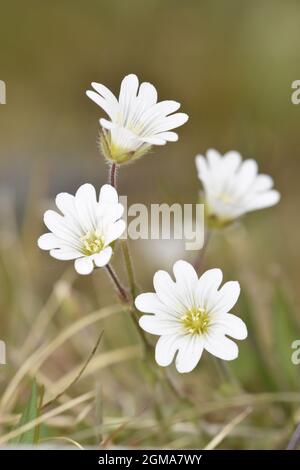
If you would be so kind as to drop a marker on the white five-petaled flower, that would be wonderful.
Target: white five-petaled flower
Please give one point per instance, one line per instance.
(136, 120)
(191, 315)
(86, 229)
(233, 187)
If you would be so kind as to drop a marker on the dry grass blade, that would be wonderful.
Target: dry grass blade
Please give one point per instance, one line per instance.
(34, 362)
(41, 419)
(63, 438)
(77, 376)
(227, 429)
(99, 362)
(295, 439)
(46, 313)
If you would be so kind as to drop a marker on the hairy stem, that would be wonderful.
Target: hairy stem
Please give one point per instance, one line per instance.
(112, 179)
(119, 288)
(122, 293)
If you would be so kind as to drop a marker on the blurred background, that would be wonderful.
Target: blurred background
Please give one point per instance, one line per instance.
(231, 65)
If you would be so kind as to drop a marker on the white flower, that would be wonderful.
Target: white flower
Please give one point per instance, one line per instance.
(191, 315)
(233, 187)
(86, 229)
(137, 121)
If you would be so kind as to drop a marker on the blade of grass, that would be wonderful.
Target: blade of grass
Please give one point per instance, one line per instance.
(34, 362)
(30, 412)
(44, 417)
(227, 429)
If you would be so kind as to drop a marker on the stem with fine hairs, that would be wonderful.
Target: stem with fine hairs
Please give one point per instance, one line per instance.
(112, 178)
(119, 288)
(122, 294)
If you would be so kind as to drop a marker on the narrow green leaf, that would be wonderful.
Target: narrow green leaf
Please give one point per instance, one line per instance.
(30, 413)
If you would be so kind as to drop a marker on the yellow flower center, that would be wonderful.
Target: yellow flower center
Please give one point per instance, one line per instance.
(195, 321)
(225, 198)
(92, 243)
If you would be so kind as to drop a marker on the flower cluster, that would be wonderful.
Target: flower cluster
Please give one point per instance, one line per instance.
(189, 314)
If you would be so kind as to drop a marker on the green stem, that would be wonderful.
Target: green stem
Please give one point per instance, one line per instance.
(198, 264)
(129, 269)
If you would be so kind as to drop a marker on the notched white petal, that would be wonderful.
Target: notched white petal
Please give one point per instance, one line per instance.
(221, 347)
(108, 195)
(102, 259)
(165, 349)
(189, 354)
(48, 241)
(84, 265)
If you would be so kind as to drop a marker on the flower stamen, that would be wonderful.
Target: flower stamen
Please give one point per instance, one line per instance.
(92, 243)
(195, 321)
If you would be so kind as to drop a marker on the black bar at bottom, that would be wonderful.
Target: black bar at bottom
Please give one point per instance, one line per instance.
(132, 459)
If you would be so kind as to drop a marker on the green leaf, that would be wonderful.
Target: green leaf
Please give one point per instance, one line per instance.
(30, 413)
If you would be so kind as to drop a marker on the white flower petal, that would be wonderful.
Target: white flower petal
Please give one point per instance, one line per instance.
(262, 183)
(128, 93)
(107, 124)
(148, 94)
(160, 110)
(232, 325)
(221, 347)
(231, 161)
(86, 206)
(189, 353)
(168, 293)
(103, 103)
(149, 303)
(65, 254)
(153, 140)
(65, 203)
(171, 122)
(214, 159)
(63, 229)
(263, 200)
(226, 298)
(114, 231)
(186, 280)
(102, 259)
(246, 175)
(166, 348)
(110, 98)
(159, 325)
(48, 241)
(207, 286)
(108, 195)
(84, 265)
(168, 136)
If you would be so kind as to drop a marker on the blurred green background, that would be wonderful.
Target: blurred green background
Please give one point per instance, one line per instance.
(231, 64)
